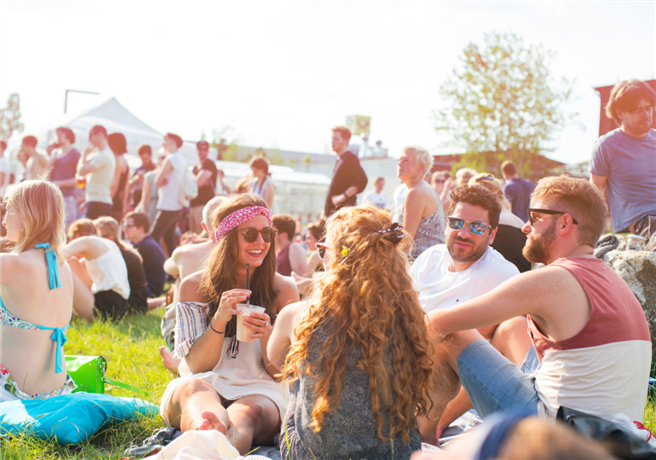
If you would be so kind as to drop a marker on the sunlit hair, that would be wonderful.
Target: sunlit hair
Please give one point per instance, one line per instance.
(41, 206)
(144, 149)
(285, 224)
(423, 157)
(366, 301)
(67, 133)
(98, 129)
(209, 208)
(108, 227)
(318, 229)
(82, 227)
(219, 276)
(30, 141)
(260, 163)
(489, 182)
(579, 198)
(117, 143)
(176, 139)
(626, 95)
(508, 168)
(464, 174)
(476, 195)
(536, 438)
(343, 131)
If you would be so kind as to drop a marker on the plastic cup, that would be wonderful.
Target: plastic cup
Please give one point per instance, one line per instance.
(81, 181)
(243, 331)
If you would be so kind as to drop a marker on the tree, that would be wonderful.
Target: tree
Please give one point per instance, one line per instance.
(10, 117)
(504, 105)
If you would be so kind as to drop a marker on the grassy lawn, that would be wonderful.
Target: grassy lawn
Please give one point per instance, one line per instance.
(132, 357)
(131, 352)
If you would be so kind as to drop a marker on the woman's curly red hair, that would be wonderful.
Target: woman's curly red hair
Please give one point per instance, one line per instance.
(367, 298)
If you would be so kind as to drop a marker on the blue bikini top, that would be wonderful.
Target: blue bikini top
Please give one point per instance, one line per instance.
(58, 333)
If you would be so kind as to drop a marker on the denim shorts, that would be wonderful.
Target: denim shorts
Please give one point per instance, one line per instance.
(495, 384)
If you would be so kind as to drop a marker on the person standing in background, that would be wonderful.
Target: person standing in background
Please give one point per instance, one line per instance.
(169, 182)
(135, 186)
(517, 190)
(623, 164)
(37, 163)
(377, 197)
(119, 188)
(205, 174)
(349, 178)
(261, 183)
(63, 165)
(99, 171)
(5, 169)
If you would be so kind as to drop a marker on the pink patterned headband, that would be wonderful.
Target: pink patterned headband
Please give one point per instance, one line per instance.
(239, 217)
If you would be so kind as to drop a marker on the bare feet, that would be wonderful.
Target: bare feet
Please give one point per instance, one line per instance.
(212, 422)
(168, 360)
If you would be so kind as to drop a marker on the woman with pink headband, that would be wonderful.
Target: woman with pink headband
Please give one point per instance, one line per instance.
(226, 384)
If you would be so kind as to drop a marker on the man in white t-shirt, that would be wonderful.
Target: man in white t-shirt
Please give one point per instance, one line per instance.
(466, 267)
(169, 182)
(99, 171)
(5, 170)
(377, 197)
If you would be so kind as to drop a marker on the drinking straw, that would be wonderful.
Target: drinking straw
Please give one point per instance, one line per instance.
(248, 282)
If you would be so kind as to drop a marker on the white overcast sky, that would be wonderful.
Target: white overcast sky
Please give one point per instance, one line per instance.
(283, 73)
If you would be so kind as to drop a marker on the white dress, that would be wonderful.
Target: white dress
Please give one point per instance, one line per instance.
(232, 377)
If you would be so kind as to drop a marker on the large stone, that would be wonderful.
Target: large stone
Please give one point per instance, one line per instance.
(638, 269)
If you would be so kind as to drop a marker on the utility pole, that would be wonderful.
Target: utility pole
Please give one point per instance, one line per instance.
(75, 91)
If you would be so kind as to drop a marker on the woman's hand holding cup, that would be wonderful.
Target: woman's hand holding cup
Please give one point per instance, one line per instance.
(260, 324)
(229, 300)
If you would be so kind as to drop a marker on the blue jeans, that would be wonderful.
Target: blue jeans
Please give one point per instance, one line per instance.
(495, 384)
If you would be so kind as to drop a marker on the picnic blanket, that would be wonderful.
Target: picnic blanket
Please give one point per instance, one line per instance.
(72, 418)
(170, 443)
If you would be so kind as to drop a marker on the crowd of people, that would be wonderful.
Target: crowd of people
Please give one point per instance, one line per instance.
(388, 321)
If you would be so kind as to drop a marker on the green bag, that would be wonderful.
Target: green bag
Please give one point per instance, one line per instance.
(88, 373)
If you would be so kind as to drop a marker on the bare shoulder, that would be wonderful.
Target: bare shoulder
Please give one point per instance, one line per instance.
(10, 263)
(293, 312)
(287, 291)
(190, 288)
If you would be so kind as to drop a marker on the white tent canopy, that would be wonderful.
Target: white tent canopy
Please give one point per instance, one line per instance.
(115, 118)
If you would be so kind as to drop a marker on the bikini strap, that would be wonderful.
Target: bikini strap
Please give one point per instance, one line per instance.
(53, 268)
(59, 337)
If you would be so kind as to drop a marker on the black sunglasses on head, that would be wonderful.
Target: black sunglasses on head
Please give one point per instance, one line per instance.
(250, 234)
(551, 212)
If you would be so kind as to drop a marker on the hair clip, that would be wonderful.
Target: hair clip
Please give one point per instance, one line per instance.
(345, 251)
(393, 233)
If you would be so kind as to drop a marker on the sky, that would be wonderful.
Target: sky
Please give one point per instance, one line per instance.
(280, 74)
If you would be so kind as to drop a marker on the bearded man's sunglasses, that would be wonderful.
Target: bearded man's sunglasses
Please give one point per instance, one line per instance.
(476, 228)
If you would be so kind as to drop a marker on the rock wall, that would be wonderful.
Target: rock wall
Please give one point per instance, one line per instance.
(638, 269)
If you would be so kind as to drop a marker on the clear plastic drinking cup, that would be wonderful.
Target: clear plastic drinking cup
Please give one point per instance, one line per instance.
(243, 331)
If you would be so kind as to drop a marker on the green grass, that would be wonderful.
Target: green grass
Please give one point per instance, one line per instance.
(131, 352)
(130, 349)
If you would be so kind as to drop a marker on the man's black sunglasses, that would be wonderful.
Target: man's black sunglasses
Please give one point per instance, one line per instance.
(547, 211)
(250, 234)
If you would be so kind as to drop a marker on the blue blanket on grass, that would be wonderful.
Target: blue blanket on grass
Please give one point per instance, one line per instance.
(72, 418)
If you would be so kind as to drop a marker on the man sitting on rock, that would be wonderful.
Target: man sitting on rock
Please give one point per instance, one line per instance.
(587, 327)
